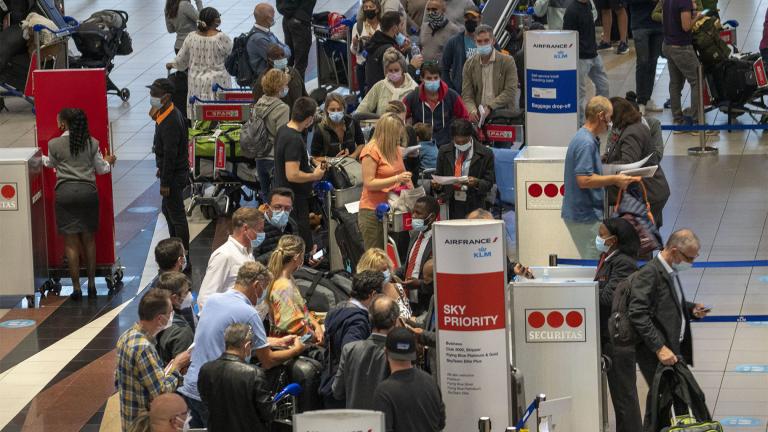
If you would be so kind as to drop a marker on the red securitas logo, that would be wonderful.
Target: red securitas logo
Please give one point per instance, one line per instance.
(555, 325)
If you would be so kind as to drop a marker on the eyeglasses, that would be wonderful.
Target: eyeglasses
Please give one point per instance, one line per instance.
(279, 207)
(687, 258)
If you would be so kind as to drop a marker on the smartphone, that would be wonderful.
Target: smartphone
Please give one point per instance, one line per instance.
(319, 255)
(306, 338)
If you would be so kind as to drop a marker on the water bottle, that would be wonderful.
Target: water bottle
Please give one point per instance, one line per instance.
(414, 52)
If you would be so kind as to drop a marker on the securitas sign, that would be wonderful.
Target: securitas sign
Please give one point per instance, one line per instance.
(9, 197)
(555, 325)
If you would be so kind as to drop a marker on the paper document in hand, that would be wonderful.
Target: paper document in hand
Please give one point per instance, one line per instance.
(483, 115)
(448, 180)
(353, 207)
(611, 169)
(410, 150)
(642, 172)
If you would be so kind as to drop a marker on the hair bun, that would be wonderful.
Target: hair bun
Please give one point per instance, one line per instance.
(201, 24)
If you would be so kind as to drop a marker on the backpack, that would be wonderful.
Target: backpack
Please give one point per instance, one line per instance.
(348, 238)
(706, 40)
(345, 173)
(733, 81)
(319, 290)
(255, 142)
(620, 329)
(238, 63)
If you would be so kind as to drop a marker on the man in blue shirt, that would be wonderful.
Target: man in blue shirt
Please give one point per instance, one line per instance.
(262, 38)
(582, 208)
(222, 309)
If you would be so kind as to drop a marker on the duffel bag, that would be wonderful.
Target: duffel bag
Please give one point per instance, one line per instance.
(319, 290)
(688, 423)
(734, 81)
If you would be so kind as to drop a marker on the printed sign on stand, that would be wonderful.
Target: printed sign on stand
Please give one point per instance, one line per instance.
(551, 83)
(544, 195)
(339, 420)
(471, 306)
(9, 197)
(220, 159)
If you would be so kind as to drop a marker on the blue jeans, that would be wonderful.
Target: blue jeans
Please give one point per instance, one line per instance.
(265, 169)
(648, 47)
(593, 69)
(199, 412)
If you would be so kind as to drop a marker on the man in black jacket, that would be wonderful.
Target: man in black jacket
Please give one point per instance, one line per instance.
(465, 157)
(177, 338)
(425, 212)
(236, 392)
(387, 36)
(277, 212)
(297, 19)
(346, 323)
(659, 310)
(171, 157)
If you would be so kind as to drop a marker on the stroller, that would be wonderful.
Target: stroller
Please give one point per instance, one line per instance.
(99, 39)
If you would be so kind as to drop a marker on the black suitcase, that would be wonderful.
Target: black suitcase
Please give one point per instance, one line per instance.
(733, 81)
(319, 289)
(306, 372)
(348, 238)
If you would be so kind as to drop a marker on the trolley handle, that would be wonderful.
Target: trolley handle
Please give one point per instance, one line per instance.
(216, 87)
(194, 99)
(37, 28)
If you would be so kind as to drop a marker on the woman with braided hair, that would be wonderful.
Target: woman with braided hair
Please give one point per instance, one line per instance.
(76, 157)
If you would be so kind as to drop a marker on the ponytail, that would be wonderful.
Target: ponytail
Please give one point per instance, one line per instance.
(77, 124)
(288, 248)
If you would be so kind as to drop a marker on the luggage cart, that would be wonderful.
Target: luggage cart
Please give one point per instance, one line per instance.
(239, 94)
(334, 60)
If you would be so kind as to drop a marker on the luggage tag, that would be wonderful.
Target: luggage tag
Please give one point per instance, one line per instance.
(460, 195)
(413, 295)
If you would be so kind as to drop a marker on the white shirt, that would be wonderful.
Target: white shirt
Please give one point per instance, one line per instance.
(678, 292)
(426, 235)
(222, 269)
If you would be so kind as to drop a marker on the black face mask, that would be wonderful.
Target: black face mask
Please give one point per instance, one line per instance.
(470, 25)
(369, 14)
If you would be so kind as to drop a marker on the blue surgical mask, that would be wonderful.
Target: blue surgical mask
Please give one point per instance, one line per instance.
(418, 225)
(156, 102)
(387, 276)
(682, 266)
(600, 244)
(283, 92)
(258, 240)
(279, 218)
(400, 38)
(336, 116)
(432, 86)
(484, 50)
(281, 64)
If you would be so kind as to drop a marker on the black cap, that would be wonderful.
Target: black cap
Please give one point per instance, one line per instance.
(163, 86)
(401, 344)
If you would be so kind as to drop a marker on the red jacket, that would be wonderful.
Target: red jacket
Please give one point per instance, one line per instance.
(449, 106)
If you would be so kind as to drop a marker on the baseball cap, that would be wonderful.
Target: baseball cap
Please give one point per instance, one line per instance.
(162, 85)
(472, 10)
(401, 344)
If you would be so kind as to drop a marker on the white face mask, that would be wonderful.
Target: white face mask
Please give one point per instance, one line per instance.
(463, 147)
(187, 302)
(169, 323)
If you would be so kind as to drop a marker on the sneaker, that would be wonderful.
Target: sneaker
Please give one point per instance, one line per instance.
(622, 49)
(682, 123)
(603, 46)
(651, 106)
(641, 108)
(668, 104)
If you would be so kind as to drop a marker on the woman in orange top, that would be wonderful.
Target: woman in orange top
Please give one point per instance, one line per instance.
(383, 171)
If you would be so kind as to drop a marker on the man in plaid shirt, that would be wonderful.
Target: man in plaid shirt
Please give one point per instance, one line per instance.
(140, 374)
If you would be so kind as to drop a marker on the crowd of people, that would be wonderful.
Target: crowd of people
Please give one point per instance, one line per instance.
(428, 71)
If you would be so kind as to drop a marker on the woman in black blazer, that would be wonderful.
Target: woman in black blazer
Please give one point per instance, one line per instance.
(619, 244)
(477, 166)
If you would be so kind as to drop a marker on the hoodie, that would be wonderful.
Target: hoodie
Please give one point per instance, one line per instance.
(374, 69)
(449, 106)
(346, 323)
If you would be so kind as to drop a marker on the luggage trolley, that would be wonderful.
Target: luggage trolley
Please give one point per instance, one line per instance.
(334, 60)
(218, 191)
(239, 94)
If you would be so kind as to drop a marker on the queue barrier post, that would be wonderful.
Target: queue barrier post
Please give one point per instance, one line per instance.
(484, 424)
(702, 149)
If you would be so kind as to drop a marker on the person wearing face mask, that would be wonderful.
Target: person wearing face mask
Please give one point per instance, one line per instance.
(293, 89)
(659, 311)
(337, 135)
(202, 55)
(377, 260)
(171, 157)
(141, 374)
(459, 48)
(237, 393)
(177, 338)
(261, 37)
(239, 304)
(171, 257)
(584, 181)
(223, 265)
(490, 78)
(276, 210)
(292, 165)
(436, 30)
(287, 308)
(425, 213)
(466, 157)
(388, 35)
(435, 104)
(394, 86)
(346, 323)
(619, 245)
(361, 35)
(275, 113)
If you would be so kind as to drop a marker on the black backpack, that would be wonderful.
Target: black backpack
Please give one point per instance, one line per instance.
(348, 238)
(322, 291)
(237, 62)
(620, 329)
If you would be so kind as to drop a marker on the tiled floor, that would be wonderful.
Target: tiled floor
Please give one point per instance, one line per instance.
(56, 375)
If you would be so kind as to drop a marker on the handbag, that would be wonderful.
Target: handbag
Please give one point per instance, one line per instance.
(403, 200)
(637, 211)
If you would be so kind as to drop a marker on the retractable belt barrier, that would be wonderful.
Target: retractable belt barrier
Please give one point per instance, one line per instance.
(706, 127)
